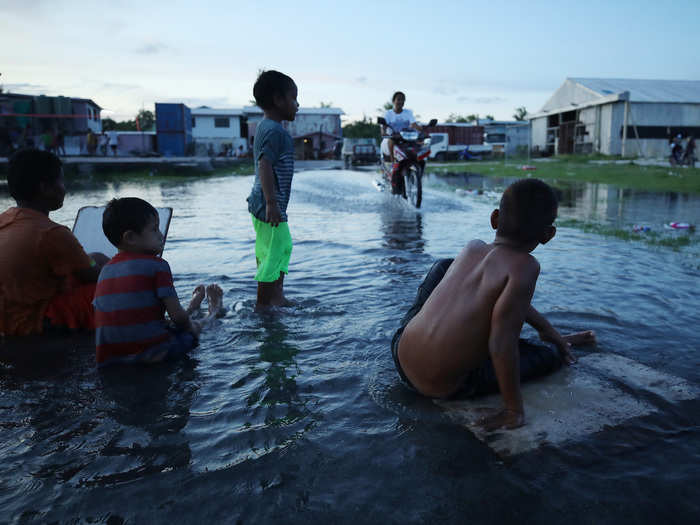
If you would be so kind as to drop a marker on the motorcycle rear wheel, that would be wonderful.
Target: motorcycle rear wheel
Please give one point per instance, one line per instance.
(413, 186)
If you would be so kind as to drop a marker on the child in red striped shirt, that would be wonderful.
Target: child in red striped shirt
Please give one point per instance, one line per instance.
(135, 289)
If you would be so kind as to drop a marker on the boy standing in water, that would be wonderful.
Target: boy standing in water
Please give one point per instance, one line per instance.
(462, 333)
(273, 150)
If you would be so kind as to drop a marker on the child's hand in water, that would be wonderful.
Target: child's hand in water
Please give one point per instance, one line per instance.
(586, 337)
(564, 343)
(503, 418)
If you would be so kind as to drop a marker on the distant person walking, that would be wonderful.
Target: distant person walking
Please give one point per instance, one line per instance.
(113, 142)
(104, 142)
(47, 142)
(91, 143)
(676, 146)
(60, 143)
(689, 155)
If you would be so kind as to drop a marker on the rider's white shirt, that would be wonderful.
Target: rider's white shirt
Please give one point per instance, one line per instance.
(399, 121)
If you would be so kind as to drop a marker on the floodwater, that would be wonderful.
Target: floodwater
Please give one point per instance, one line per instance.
(297, 416)
(598, 203)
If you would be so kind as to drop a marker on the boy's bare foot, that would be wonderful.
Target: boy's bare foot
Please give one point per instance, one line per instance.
(272, 295)
(580, 338)
(214, 298)
(504, 418)
(281, 301)
(197, 298)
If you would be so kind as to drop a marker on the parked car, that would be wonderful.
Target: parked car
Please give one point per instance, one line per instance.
(360, 151)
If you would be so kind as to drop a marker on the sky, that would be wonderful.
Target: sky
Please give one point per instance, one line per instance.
(460, 57)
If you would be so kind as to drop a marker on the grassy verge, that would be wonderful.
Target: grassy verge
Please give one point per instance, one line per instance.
(581, 169)
(135, 172)
(159, 173)
(651, 238)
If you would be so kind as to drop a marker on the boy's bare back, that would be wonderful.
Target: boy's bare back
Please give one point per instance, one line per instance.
(480, 303)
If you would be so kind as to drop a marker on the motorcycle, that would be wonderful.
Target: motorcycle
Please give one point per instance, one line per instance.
(411, 149)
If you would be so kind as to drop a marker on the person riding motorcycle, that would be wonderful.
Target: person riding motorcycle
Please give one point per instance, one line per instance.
(398, 119)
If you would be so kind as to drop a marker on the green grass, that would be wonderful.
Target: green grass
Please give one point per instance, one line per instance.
(106, 172)
(577, 168)
(156, 173)
(651, 238)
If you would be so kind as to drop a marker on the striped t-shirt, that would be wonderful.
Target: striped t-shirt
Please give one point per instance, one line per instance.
(129, 311)
(274, 143)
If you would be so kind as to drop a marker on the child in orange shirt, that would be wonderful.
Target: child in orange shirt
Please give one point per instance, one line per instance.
(47, 281)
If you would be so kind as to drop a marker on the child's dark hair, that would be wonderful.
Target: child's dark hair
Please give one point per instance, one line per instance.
(527, 207)
(126, 214)
(27, 169)
(398, 94)
(269, 84)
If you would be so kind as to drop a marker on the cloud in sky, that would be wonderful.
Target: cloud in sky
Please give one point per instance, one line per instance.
(482, 99)
(116, 86)
(151, 48)
(24, 87)
(444, 90)
(212, 102)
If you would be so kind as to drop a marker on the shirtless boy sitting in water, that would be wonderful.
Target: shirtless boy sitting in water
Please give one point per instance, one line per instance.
(467, 328)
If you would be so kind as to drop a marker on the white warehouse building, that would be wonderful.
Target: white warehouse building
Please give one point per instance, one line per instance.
(220, 131)
(617, 116)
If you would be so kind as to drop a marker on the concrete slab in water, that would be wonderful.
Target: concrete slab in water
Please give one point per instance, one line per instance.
(574, 402)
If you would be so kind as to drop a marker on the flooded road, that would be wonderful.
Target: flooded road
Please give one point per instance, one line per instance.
(298, 416)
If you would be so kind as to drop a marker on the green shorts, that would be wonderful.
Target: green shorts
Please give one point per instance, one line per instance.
(273, 248)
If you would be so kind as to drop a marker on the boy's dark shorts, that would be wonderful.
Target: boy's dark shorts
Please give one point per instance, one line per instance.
(535, 360)
(180, 342)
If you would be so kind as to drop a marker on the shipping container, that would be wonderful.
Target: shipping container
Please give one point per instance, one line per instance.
(43, 105)
(173, 118)
(188, 120)
(25, 107)
(460, 133)
(174, 144)
(62, 105)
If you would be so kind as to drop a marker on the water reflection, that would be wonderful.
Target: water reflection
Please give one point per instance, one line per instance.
(402, 228)
(599, 203)
(151, 406)
(71, 424)
(277, 397)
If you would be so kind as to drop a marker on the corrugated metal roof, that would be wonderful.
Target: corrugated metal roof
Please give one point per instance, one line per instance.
(302, 111)
(86, 100)
(231, 112)
(645, 90)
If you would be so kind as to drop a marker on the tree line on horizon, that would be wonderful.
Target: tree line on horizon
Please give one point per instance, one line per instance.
(145, 120)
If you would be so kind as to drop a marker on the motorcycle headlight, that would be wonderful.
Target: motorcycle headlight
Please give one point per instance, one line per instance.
(409, 135)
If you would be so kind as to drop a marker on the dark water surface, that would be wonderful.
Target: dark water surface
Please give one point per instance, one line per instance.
(297, 416)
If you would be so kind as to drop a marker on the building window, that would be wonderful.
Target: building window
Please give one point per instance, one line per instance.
(222, 122)
(194, 122)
